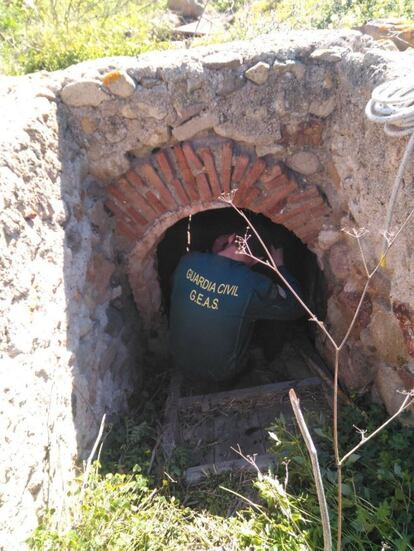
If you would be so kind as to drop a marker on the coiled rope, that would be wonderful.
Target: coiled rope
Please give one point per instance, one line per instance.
(392, 104)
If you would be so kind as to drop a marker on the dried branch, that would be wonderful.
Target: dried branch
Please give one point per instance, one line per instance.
(90, 458)
(389, 241)
(323, 506)
(408, 401)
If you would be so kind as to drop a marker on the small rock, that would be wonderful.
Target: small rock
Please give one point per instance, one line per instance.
(330, 55)
(157, 137)
(220, 60)
(88, 125)
(272, 149)
(84, 93)
(327, 238)
(397, 30)
(187, 8)
(259, 73)
(119, 83)
(291, 66)
(385, 334)
(339, 261)
(304, 162)
(390, 387)
(322, 108)
(194, 126)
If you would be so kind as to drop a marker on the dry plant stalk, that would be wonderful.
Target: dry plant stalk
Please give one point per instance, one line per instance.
(313, 454)
(389, 240)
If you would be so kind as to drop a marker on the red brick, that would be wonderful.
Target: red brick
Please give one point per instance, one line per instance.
(306, 229)
(142, 204)
(179, 190)
(272, 185)
(305, 207)
(169, 177)
(135, 199)
(203, 187)
(155, 202)
(155, 182)
(122, 210)
(252, 175)
(310, 238)
(278, 196)
(309, 133)
(302, 195)
(303, 217)
(240, 166)
(271, 173)
(208, 160)
(186, 173)
(250, 198)
(197, 168)
(194, 162)
(135, 179)
(226, 165)
(127, 231)
(165, 166)
(405, 316)
(114, 191)
(119, 199)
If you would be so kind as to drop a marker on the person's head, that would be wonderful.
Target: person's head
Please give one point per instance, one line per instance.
(242, 245)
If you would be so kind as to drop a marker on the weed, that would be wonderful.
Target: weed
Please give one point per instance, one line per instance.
(131, 510)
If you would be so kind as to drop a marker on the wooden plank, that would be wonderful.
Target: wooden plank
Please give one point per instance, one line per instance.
(263, 391)
(193, 475)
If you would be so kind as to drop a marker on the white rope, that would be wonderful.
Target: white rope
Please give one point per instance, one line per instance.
(392, 104)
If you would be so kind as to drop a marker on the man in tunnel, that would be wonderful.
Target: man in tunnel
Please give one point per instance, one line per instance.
(216, 298)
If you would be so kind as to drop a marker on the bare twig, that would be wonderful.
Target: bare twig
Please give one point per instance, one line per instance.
(389, 241)
(90, 458)
(323, 506)
(408, 401)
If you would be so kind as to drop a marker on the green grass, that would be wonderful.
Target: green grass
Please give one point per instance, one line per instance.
(133, 502)
(53, 34)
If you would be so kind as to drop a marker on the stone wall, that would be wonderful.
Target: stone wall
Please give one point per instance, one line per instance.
(100, 159)
(69, 328)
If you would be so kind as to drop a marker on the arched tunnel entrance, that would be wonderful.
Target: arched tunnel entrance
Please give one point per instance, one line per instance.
(274, 350)
(212, 421)
(180, 198)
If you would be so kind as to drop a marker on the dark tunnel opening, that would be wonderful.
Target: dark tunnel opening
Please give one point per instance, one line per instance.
(273, 350)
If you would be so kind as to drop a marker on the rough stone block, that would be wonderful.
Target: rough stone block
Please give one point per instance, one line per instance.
(259, 73)
(119, 83)
(322, 107)
(329, 55)
(222, 60)
(194, 126)
(304, 162)
(84, 93)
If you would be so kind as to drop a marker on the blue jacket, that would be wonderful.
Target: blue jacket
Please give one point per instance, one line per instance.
(214, 304)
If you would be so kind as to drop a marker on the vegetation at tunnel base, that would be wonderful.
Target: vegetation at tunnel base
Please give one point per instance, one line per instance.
(53, 34)
(123, 507)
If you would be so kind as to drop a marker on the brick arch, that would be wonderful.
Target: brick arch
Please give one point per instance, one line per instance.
(190, 177)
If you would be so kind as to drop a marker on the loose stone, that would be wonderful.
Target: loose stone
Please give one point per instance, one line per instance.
(84, 93)
(259, 73)
(119, 83)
